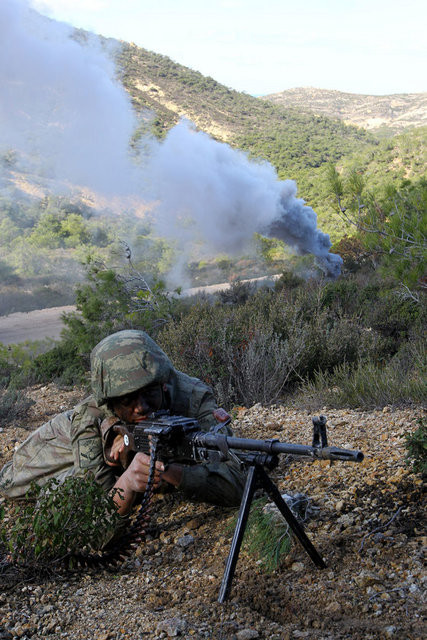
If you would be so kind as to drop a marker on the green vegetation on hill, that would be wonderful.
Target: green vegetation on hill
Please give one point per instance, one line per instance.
(44, 243)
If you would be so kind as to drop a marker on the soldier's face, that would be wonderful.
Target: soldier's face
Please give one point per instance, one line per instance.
(135, 407)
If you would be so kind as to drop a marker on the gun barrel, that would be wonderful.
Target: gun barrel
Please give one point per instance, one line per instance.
(275, 447)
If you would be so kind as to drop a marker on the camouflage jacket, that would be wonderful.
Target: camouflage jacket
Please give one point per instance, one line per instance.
(72, 443)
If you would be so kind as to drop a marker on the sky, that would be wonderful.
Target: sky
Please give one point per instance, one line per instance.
(372, 47)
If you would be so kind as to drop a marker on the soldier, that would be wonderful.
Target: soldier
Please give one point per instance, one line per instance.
(131, 377)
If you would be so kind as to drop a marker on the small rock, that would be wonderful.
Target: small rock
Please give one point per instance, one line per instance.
(390, 631)
(297, 566)
(379, 537)
(185, 541)
(178, 555)
(172, 626)
(333, 608)
(247, 634)
(339, 505)
(366, 578)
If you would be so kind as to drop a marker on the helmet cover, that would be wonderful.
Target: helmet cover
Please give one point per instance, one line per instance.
(126, 361)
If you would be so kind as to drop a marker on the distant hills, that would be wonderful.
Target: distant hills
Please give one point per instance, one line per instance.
(393, 112)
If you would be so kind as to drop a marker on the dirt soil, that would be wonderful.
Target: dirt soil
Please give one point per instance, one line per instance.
(369, 527)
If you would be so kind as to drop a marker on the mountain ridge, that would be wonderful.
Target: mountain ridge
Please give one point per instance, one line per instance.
(393, 112)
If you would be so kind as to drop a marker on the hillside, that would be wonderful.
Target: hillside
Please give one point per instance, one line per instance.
(298, 143)
(290, 139)
(389, 113)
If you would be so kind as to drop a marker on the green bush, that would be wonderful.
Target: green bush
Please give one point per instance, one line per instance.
(235, 348)
(57, 521)
(258, 349)
(416, 446)
(238, 293)
(267, 535)
(16, 363)
(367, 385)
(13, 406)
(62, 364)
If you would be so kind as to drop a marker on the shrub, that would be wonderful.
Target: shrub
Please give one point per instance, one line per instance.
(259, 349)
(238, 293)
(365, 385)
(416, 446)
(16, 363)
(69, 518)
(237, 349)
(62, 364)
(288, 281)
(13, 405)
(267, 535)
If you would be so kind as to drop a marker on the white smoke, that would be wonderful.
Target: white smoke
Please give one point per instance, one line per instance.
(66, 115)
(61, 108)
(206, 189)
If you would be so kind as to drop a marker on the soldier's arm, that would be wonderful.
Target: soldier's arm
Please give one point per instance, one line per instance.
(86, 443)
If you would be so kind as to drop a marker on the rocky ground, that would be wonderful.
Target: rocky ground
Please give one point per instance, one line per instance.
(368, 526)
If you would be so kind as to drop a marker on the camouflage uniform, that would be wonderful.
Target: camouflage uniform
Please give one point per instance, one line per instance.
(73, 442)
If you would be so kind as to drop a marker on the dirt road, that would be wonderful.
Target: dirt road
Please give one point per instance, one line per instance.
(34, 325)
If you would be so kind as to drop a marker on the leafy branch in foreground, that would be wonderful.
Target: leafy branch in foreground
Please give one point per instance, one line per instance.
(58, 520)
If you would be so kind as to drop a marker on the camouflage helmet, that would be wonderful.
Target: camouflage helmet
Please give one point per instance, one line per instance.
(126, 361)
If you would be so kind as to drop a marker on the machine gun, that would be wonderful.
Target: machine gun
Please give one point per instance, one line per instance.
(179, 439)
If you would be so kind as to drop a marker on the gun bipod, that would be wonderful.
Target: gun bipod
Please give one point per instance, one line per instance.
(257, 478)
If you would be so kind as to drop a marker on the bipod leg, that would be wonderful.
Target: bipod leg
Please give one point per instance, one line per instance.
(239, 532)
(298, 529)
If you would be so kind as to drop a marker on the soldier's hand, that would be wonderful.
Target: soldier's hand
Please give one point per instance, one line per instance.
(113, 453)
(136, 475)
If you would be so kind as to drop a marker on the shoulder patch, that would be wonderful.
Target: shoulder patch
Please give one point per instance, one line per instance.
(89, 450)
